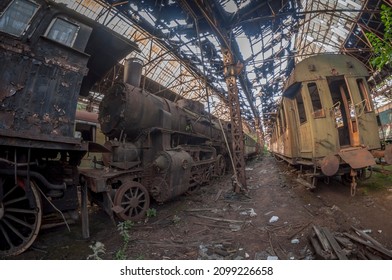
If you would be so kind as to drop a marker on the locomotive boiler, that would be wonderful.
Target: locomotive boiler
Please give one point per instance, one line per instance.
(159, 148)
(326, 122)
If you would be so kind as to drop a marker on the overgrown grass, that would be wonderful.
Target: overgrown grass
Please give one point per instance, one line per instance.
(378, 181)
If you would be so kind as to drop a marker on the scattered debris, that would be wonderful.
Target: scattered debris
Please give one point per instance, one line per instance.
(98, 250)
(221, 252)
(305, 183)
(274, 219)
(251, 212)
(344, 246)
(218, 194)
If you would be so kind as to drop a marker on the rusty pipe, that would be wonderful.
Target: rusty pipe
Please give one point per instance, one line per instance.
(35, 175)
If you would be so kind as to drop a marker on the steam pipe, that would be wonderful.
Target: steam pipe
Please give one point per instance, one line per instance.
(36, 175)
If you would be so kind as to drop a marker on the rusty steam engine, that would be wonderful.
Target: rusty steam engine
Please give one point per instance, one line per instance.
(51, 55)
(158, 148)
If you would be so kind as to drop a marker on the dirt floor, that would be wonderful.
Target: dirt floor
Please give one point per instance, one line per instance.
(275, 219)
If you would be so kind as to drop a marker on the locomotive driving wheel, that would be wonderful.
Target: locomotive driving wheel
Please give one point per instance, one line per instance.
(133, 199)
(20, 216)
(220, 167)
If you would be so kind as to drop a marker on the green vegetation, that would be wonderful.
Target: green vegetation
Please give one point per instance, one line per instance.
(140, 257)
(380, 180)
(382, 47)
(176, 219)
(151, 212)
(123, 228)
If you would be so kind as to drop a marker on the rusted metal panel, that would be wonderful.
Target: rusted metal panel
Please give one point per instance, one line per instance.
(37, 104)
(18, 139)
(173, 174)
(330, 165)
(126, 111)
(357, 158)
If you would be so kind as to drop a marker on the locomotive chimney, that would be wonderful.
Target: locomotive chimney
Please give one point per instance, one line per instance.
(133, 71)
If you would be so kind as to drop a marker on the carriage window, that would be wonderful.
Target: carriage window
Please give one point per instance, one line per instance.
(63, 32)
(318, 111)
(365, 100)
(301, 108)
(16, 18)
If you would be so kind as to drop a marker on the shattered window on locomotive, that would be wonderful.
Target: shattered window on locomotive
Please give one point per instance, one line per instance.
(62, 31)
(16, 18)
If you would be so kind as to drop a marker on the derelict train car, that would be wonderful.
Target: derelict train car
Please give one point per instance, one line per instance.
(326, 119)
(159, 148)
(48, 56)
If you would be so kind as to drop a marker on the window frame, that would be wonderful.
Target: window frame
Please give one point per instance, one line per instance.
(26, 24)
(364, 95)
(50, 28)
(317, 105)
(302, 118)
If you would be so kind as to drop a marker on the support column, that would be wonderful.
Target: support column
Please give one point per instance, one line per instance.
(231, 71)
(260, 135)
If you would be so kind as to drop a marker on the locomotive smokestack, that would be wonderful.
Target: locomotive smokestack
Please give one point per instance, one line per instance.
(133, 71)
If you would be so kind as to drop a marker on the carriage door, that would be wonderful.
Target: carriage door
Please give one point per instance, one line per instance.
(343, 112)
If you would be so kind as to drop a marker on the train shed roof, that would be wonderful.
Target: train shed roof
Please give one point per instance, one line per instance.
(182, 41)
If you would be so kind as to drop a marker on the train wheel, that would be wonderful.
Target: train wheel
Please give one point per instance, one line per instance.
(20, 216)
(134, 200)
(220, 168)
(365, 173)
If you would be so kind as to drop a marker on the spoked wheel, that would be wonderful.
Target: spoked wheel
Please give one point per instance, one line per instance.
(220, 168)
(20, 216)
(133, 200)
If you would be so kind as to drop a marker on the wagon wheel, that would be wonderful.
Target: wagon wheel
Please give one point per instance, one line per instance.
(20, 216)
(220, 168)
(365, 173)
(133, 199)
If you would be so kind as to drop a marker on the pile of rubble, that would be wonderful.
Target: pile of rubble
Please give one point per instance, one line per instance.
(358, 245)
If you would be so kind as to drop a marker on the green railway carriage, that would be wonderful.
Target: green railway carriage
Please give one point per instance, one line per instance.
(326, 118)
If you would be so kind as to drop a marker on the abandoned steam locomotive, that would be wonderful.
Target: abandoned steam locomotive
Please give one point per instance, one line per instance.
(158, 148)
(51, 55)
(326, 120)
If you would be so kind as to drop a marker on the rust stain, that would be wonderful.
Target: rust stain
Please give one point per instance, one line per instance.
(7, 119)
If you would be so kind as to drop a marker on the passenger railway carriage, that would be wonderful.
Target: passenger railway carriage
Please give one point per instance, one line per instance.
(326, 118)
